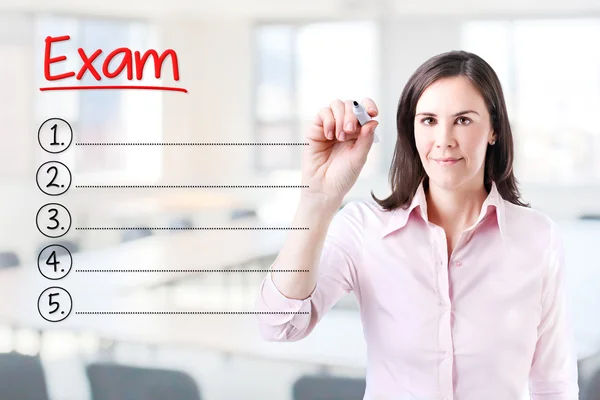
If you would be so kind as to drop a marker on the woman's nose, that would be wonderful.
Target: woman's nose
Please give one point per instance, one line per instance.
(444, 136)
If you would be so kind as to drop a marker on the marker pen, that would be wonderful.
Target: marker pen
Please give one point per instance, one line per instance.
(363, 117)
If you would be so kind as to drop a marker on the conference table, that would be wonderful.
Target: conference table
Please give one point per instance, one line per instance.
(186, 202)
(96, 295)
(227, 333)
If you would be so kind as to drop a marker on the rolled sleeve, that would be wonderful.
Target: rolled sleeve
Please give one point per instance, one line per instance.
(285, 319)
(553, 374)
(294, 311)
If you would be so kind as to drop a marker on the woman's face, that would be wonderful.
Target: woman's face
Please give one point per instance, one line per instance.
(452, 132)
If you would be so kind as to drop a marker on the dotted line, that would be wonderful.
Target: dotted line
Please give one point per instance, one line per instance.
(191, 270)
(190, 186)
(189, 144)
(186, 228)
(189, 312)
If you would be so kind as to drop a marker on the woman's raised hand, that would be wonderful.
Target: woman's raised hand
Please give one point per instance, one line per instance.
(337, 150)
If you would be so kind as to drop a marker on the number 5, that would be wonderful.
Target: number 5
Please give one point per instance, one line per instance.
(51, 303)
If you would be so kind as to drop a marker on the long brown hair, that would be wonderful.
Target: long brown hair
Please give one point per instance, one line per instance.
(407, 172)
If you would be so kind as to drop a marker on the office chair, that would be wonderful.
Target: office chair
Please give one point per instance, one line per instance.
(328, 388)
(241, 213)
(8, 259)
(109, 381)
(588, 369)
(135, 234)
(22, 377)
(591, 390)
(180, 223)
(70, 245)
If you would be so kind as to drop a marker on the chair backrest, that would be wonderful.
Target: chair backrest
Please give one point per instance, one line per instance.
(588, 369)
(135, 234)
(109, 381)
(22, 377)
(241, 213)
(70, 245)
(180, 223)
(591, 390)
(328, 388)
(8, 259)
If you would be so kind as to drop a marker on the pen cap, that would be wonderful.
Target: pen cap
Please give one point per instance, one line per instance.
(363, 117)
(361, 113)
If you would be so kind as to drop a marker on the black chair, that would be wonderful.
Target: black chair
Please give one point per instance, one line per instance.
(328, 388)
(109, 381)
(70, 245)
(135, 234)
(180, 223)
(242, 213)
(22, 378)
(591, 390)
(589, 377)
(8, 259)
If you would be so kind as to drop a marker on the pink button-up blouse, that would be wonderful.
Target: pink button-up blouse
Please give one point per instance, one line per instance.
(489, 323)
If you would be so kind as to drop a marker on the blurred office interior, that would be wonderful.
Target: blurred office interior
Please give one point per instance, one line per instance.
(255, 71)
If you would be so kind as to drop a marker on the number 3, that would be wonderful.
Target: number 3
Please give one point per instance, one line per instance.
(53, 218)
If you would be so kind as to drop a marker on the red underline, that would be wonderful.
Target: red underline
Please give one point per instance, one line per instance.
(174, 89)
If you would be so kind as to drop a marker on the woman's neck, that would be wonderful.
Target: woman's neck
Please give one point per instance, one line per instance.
(455, 210)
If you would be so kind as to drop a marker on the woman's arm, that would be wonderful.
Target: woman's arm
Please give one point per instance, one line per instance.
(553, 374)
(330, 251)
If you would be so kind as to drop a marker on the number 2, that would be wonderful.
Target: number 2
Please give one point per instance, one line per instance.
(54, 178)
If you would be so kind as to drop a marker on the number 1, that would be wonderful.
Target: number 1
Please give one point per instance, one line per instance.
(54, 142)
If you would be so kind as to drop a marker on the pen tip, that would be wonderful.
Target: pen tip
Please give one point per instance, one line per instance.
(355, 103)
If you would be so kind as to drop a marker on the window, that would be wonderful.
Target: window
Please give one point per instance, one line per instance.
(301, 68)
(551, 78)
(101, 115)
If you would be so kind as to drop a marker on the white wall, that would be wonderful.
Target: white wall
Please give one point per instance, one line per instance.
(303, 9)
(215, 66)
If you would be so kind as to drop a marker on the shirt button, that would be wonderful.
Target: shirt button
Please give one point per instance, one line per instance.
(459, 263)
(446, 354)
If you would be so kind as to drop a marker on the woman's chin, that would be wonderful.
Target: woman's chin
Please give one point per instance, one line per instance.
(447, 181)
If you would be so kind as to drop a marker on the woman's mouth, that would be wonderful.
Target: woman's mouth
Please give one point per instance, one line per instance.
(447, 161)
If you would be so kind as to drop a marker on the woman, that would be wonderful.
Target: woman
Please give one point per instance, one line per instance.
(460, 284)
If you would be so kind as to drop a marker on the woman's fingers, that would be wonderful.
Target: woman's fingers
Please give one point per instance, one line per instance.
(351, 125)
(328, 122)
(338, 122)
(338, 110)
(370, 106)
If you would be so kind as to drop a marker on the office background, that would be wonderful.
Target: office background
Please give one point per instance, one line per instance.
(257, 71)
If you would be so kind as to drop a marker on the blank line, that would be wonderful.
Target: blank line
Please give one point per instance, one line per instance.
(191, 270)
(189, 144)
(184, 186)
(186, 228)
(190, 312)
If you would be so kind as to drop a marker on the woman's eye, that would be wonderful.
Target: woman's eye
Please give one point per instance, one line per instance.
(466, 121)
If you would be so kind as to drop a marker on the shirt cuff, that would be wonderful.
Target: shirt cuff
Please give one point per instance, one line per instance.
(275, 301)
